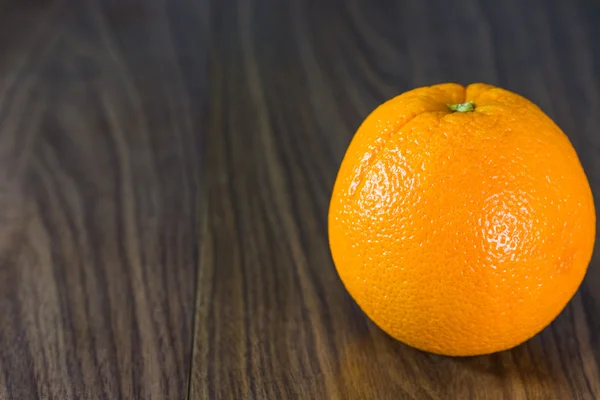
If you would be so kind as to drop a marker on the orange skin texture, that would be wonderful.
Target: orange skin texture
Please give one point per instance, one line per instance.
(461, 233)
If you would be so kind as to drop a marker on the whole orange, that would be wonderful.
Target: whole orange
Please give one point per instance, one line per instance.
(461, 220)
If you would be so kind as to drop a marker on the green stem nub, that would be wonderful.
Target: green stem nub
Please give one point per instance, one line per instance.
(462, 107)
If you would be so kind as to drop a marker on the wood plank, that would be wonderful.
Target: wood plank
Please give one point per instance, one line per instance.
(290, 83)
(101, 115)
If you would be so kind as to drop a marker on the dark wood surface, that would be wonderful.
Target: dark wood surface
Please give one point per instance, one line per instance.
(166, 167)
(102, 106)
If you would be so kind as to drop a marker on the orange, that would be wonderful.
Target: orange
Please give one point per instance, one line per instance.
(461, 220)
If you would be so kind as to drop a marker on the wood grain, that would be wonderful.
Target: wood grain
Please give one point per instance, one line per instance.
(290, 83)
(101, 115)
(165, 173)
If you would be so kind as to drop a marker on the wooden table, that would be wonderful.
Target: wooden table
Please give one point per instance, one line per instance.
(166, 167)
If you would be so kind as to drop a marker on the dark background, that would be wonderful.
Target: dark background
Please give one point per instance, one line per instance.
(165, 173)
